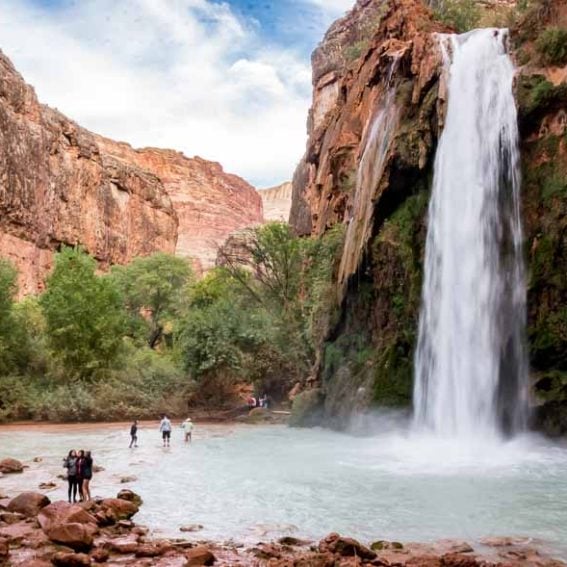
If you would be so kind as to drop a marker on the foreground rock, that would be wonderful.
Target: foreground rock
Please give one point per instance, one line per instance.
(81, 535)
(11, 466)
(28, 503)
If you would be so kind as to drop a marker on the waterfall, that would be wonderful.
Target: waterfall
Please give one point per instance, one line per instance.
(471, 364)
(370, 170)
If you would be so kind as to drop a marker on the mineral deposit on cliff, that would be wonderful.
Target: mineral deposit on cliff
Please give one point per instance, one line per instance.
(277, 202)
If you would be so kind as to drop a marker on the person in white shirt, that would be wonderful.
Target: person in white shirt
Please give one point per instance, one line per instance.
(165, 428)
(188, 429)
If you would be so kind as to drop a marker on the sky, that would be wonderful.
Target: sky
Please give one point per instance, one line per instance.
(228, 80)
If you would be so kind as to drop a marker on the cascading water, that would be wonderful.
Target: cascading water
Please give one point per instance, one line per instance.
(370, 170)
(470, 365)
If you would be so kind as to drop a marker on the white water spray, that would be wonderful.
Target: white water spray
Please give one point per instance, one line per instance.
(470, 365)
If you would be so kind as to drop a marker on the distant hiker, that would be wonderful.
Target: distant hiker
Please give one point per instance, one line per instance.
(251, 402)
(264, 401)
(165, 428)
(87, 473)
(80, 477)
(188, 429)
(134, 434)
(70, 463)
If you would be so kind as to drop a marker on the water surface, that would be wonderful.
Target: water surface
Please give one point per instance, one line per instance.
(250, 483)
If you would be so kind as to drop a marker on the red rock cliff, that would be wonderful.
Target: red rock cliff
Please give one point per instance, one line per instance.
(61, 184)
(210, 203)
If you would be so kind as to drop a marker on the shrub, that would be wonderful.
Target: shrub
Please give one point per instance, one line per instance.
(462, 15)
(552, 46)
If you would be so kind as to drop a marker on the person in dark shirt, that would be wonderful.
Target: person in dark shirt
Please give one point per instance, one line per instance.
(70, 463)
(87, 473)
(80, 473)
(134, 434)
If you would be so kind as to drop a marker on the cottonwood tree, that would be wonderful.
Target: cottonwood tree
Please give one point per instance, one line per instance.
(84, 315)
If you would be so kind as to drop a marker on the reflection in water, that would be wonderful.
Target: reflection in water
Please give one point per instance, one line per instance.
(248, 483)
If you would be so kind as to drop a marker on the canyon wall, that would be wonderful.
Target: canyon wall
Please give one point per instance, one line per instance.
(277, 202)
(62, 185)
(376, 80)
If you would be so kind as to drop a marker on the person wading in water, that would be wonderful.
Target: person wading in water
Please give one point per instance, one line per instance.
(165, 428)
(70, 463)
(134, 434)
(188, 429)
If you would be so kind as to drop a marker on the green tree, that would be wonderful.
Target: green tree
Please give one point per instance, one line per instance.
(8, 288)
(154, 289)
(84, 315)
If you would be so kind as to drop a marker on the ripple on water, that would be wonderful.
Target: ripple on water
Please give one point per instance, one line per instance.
(243, 482)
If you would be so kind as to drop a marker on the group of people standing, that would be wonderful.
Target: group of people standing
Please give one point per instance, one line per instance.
(260, 402)
(79, 465)
(165, 428)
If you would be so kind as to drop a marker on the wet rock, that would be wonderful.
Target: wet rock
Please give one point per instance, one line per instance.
(11, 466)
(63, 559)
(127, 479)
(126, 524)
(382, 544)
(47, 485)
(37, 459)
(98, 468)
(28, 503)
(292, 541)
(458, 560)
(11, 517)
(200, 555)
(345, 546)
(140, 530)
(149, 550)
(100, 555)
(267, 551)
(130, 496)
(191, 528)
(4, 553)
(118, 508)
(122, 545)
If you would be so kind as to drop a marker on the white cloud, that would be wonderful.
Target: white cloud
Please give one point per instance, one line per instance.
(184, 74)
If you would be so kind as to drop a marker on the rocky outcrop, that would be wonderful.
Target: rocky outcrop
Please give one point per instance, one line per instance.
(277, 202)
(59, 186)
(210, 203)
(377, 89)
(62, 185)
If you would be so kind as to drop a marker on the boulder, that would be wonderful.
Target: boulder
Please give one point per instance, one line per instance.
(64, 559)
(200, 555)
(37, 459)
(346, 547)
(118, 509)
(68, 524)
(98, 468)
(60, 512)
(28, 503)
(459, 560)
(47, 485)
(78, 537)
(122, 545)
(149, 550)
(130, 496)
(382, 544)
(11, 466)
(127, 479)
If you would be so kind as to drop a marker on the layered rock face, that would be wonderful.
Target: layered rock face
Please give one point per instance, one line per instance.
(61, 184)
(210, 204)
(377, 85)
(277, 202)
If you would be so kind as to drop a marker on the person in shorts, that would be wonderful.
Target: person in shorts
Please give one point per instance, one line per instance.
(165, 428)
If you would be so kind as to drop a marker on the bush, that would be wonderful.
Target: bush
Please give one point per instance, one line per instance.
(462, 15)
(552, 46)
